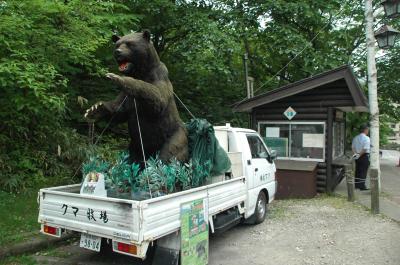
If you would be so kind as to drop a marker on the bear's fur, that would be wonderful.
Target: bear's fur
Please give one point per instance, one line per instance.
(146, 80)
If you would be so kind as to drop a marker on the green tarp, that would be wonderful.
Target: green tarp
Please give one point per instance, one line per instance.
(204, 146)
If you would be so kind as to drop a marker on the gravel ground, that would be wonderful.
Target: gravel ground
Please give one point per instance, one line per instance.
(326, 230)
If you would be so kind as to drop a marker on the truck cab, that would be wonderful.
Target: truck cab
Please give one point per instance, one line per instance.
(257, 163)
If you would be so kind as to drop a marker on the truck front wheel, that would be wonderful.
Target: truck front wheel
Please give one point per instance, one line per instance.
(261, 208)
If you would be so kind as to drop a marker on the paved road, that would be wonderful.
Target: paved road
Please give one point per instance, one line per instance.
(325, 230)
(390, 186)
(74, 255)
(390, 175)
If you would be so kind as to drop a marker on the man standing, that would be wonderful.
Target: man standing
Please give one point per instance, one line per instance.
(361, 147)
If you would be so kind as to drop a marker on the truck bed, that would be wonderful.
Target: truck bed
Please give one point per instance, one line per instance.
(129, 220)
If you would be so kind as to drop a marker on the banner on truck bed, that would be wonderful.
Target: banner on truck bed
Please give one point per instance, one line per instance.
(194, 233)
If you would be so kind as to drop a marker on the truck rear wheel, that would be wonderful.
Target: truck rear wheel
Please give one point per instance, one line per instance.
(261, 208)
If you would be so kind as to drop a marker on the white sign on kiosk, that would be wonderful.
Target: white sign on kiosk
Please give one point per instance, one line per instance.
(314, 140)
(272, 132)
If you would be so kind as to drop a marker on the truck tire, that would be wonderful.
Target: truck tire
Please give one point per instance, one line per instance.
(106, 246)
(261, 208)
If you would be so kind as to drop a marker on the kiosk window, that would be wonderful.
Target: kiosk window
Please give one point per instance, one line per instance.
(338, 139)
(297, 140)
(307, 141)
(276, 136)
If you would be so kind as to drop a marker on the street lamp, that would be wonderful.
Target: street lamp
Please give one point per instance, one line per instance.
(386, 36)
(392, 8)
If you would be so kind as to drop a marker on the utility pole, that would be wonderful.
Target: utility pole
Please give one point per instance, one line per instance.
(246, 74)
(373, 102)
(250, 91)
(248, 79)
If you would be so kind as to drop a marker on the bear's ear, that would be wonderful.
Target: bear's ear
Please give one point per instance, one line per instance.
(146, 35)
(115, 38)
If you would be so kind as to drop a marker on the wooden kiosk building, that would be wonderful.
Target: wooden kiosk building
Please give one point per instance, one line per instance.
(305, 123)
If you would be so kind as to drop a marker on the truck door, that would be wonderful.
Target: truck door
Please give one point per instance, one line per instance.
(261, 166)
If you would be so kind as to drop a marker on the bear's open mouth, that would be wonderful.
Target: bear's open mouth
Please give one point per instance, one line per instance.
(123, 66)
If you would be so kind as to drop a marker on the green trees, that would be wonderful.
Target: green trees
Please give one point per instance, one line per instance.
(54, 53)
(44, 44)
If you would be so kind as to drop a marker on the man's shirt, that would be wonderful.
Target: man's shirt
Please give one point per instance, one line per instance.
(361, 142)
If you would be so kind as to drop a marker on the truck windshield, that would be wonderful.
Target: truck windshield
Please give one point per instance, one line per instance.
(257, 148)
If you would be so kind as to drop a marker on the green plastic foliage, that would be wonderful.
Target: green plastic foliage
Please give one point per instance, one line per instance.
(183, 175)
(157, 178)
(200, 172)
(95, 164)
(122, 174)
(161, 178)
(152, 178)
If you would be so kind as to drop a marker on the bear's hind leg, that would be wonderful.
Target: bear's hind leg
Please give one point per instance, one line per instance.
(176, 146)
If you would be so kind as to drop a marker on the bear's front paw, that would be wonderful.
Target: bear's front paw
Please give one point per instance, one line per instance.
(114, 77)
(95, 112)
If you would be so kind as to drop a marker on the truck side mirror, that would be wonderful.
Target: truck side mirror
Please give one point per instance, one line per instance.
(273, 155)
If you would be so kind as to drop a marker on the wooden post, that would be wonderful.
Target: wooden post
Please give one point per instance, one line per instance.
(373, 174)
(329, 152)
(349, 174)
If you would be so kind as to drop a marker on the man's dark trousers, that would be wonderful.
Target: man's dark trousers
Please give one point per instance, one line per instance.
(362, 165)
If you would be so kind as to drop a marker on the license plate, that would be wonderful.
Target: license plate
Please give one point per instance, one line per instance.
(90, 242)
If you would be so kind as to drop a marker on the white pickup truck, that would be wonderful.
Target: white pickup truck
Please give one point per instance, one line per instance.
(131, 226)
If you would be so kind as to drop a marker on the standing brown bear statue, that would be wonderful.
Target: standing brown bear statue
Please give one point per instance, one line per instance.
(145, 80)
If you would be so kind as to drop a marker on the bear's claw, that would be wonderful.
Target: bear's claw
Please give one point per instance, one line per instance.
(90, 113)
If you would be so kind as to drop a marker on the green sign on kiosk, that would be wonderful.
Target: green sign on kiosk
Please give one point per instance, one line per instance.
(194, 233)
(279, 144)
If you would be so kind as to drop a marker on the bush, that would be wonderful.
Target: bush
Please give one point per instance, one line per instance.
(43, 45)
